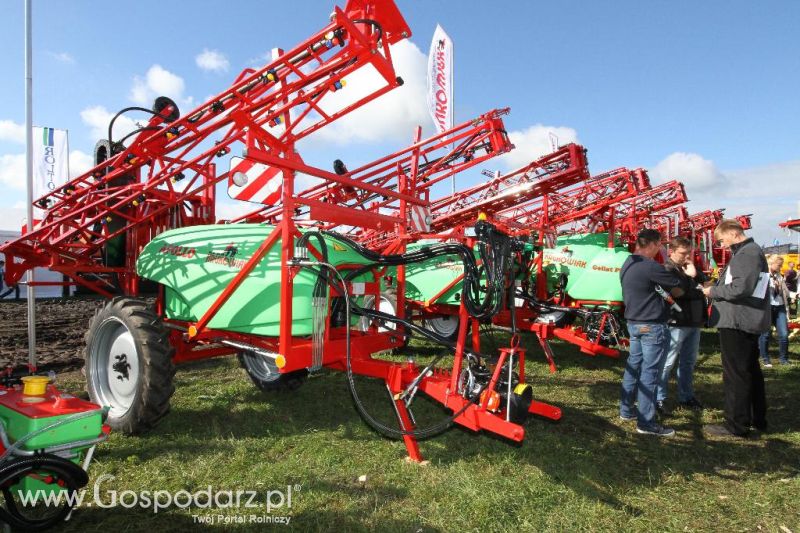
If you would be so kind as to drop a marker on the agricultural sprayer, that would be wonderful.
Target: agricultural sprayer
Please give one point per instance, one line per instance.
(285, 289)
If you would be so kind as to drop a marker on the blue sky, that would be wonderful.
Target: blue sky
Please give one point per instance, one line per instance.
(704, 92)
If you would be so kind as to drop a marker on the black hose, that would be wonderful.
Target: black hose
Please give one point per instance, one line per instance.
(71, 475)
(119, 114)
(381, 428)
(494, 250)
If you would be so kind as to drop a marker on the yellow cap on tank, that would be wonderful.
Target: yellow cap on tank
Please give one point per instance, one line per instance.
(280, 361)
(34, 385)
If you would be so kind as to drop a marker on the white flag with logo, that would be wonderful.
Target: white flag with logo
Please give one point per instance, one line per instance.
(50, 162)
(440, 80)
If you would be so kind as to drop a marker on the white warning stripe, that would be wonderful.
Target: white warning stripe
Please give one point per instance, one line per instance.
(263, 184)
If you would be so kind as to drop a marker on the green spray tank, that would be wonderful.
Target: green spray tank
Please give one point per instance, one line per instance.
(195, 264)
(585, 268)
(583, 264)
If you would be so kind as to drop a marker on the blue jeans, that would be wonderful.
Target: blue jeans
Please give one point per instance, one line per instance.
(683, 346)
(648, 347)
(780, 321)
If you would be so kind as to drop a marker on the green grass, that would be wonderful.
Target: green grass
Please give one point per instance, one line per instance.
(590, 471)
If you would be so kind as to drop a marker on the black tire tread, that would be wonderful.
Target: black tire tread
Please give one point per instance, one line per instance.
(284, 383)
(156, 387)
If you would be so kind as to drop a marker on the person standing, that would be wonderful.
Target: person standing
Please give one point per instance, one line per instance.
(791, 283)
(779, 305)
(644, 281)
(684, 327)
(741, 313)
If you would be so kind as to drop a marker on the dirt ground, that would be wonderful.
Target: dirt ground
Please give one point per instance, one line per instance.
(60, 327)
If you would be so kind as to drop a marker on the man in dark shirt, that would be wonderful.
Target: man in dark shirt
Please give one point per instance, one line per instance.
(684, 326)
(644, 286)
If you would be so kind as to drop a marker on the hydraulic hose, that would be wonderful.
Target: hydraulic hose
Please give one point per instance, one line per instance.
(378, 426)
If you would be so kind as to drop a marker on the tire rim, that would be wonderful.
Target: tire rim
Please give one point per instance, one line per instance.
(115, 364)
(446, 326)
(553, 317)
(260, 367)
(385, 306)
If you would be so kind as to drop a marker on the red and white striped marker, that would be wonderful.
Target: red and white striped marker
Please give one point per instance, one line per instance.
(250, 181)
(420, 218)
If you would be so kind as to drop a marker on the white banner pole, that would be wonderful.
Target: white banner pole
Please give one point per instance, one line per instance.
(29, 174)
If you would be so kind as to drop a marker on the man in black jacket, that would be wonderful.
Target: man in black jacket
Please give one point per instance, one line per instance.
(741, 312)
(684, 327)
(644, 288)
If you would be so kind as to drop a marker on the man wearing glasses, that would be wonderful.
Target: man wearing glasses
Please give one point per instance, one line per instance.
(685, 322)
(741, 313)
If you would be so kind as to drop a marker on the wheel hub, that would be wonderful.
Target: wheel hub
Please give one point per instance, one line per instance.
(115, 362)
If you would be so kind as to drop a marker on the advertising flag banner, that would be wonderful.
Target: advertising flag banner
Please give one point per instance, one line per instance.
(50, 161)
(440, 80)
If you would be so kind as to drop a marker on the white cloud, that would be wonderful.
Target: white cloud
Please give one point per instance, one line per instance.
(12, 171)
(63, 57)
(158, 82)
(12, 218)
(394, 115)
(79, 162)
(12, 132)
(768, 192)
(98, 118)
(212, 61)
(534, 142)
(12, 168)
(234, 209)
(696, 173)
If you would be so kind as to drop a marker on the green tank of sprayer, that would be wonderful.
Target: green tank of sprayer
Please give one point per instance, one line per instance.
(585, 267)
(426, 280)
(195, 264)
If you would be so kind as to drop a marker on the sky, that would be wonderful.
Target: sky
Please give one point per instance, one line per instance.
(703, 92)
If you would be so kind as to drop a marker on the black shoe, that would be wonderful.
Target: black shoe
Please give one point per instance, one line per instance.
(662, 409)
(656, 430)
(692, 404)
(718, 430)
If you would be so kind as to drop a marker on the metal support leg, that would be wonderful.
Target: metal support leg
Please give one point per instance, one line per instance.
(405, 423)
(548, 353)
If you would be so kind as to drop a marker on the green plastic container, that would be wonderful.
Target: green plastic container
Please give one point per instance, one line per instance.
(22, 415)
(591, 266)
(196, 263)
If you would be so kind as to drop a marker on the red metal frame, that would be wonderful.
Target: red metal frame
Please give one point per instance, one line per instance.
(135, 189)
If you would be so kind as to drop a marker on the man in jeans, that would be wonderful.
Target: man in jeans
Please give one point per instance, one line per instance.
(644, 286)
(684, 327)
(741, 312)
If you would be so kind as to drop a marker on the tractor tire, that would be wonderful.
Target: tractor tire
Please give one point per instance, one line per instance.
(557, 318)
(128, 365)
(446, 326)
(265, 374)
(388, 305)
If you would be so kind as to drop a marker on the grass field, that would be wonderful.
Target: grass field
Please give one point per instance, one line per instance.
(590, 471)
